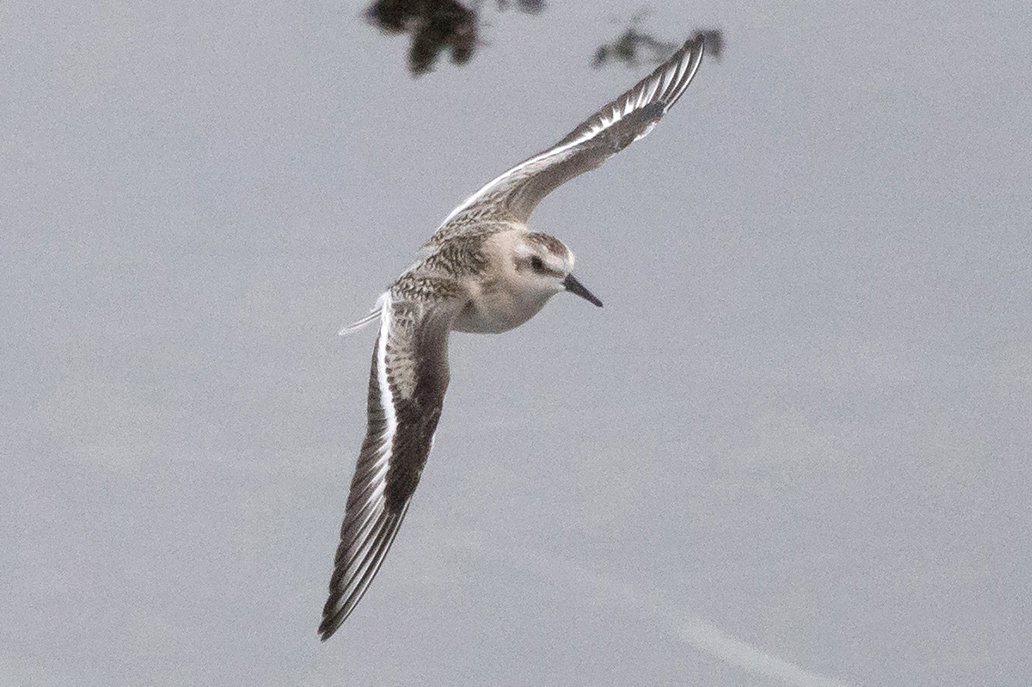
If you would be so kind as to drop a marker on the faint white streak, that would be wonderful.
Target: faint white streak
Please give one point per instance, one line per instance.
(692, 630)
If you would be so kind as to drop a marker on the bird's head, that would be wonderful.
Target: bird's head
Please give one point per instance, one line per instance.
(543, 266)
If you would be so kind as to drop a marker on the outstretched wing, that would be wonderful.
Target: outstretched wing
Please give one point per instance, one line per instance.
(407, 382)
(610, 130)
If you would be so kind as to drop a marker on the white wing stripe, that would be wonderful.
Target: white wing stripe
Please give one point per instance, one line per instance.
(386, 399)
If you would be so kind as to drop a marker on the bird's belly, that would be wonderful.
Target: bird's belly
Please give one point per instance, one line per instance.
(492, 320)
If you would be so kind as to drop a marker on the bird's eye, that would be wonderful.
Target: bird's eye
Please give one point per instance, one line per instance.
(535, 262)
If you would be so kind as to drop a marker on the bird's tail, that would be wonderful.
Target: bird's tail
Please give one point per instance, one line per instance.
(374, 314)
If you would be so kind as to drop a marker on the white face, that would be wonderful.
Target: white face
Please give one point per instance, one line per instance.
(528, 269)
(542, 267)
(541, 263)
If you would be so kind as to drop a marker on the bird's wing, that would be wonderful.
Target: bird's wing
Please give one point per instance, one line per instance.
(407, 382)
(608, 131)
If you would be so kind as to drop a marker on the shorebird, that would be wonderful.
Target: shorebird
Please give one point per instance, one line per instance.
(482, 271)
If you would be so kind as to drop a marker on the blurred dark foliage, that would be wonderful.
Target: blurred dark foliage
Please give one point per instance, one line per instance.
(446, 25)
(436, 26)
(635, 47)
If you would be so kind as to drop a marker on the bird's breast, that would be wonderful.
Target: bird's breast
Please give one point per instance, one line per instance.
(496, 311)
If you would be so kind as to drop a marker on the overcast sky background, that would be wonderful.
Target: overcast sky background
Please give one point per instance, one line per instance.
(793, 448)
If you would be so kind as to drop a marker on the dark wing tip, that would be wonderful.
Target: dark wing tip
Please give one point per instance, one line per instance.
(356, 565)
(325, 632)
(331, 624)
(685, 62)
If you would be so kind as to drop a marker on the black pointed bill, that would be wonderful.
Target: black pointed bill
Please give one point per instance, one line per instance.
(575, 287)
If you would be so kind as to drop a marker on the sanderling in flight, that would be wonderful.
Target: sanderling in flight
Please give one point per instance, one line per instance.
(483, 271)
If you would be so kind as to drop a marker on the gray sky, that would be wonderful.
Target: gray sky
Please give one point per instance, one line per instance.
(792, 449)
